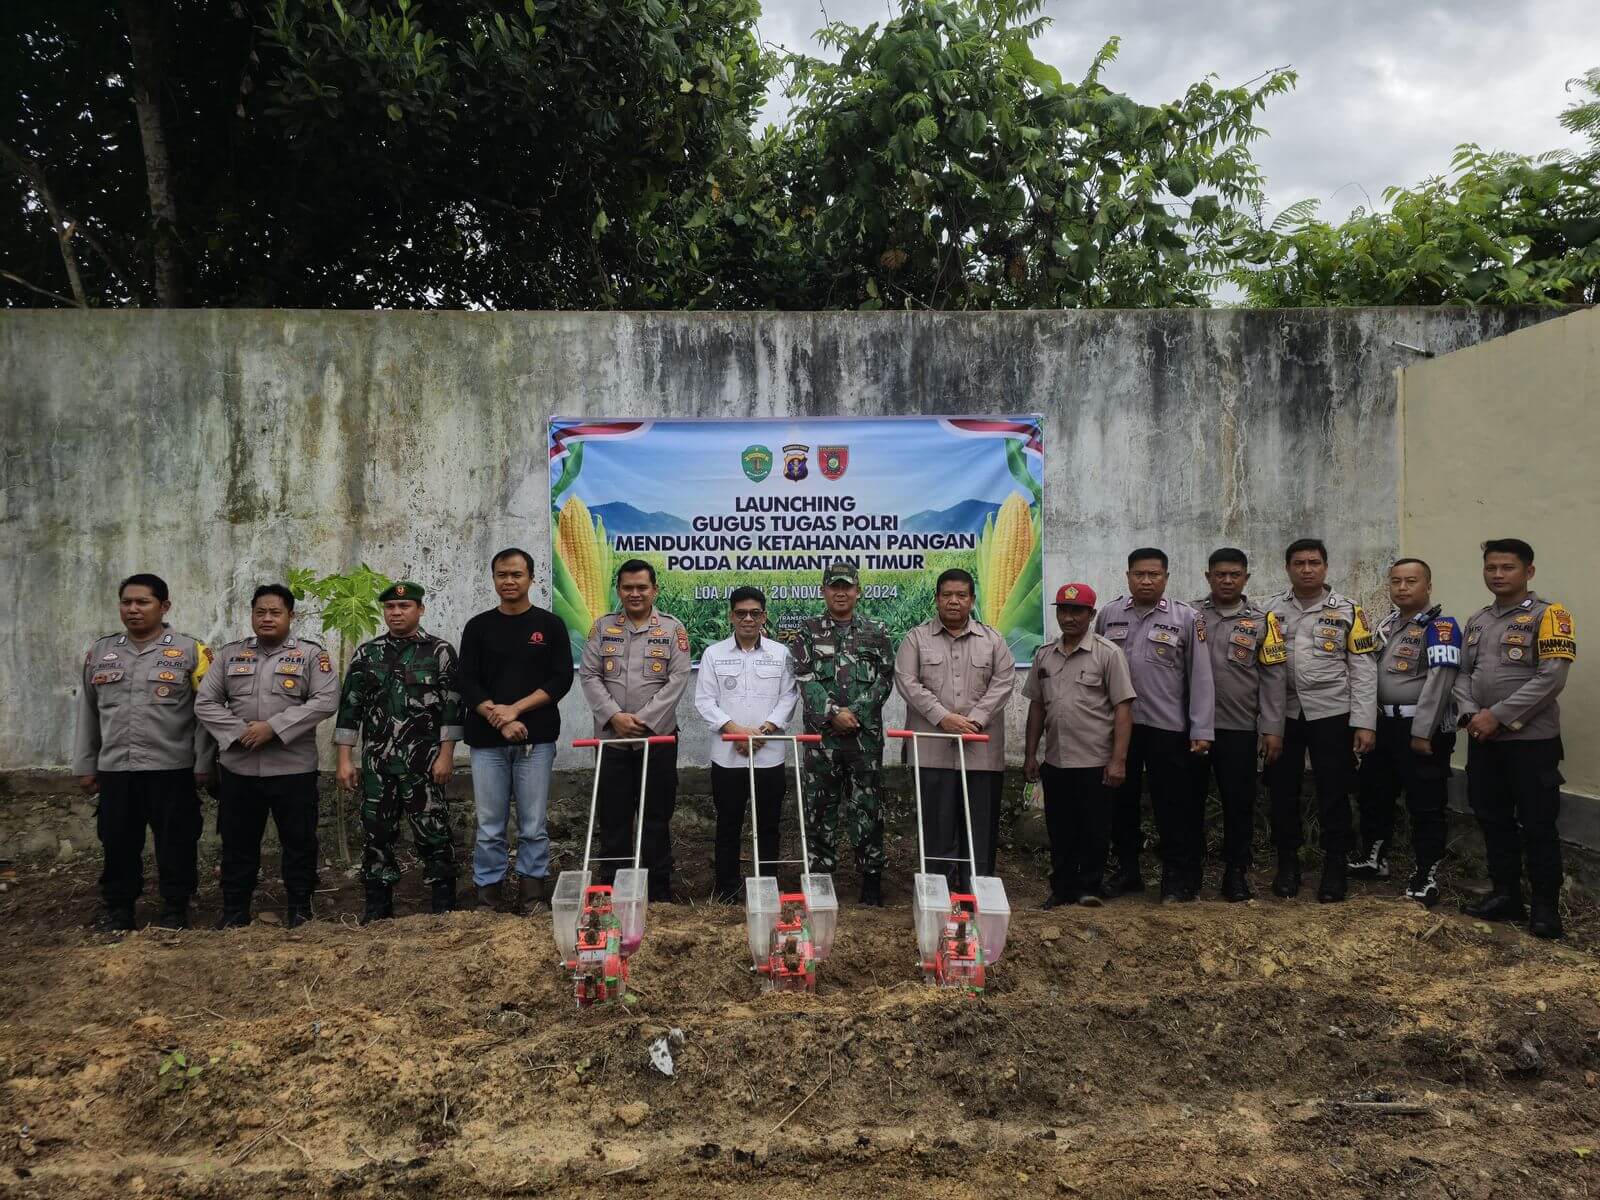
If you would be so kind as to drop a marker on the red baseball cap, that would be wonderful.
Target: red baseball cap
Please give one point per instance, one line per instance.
(1080, 595)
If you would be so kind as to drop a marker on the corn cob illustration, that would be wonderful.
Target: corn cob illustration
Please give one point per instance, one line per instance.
(581, 555)
(1010, 542)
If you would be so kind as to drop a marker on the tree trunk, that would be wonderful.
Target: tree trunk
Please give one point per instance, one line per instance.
(145, 33)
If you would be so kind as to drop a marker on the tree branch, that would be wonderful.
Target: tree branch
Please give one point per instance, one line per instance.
(62, 225)
(18, 279)
(144, 31)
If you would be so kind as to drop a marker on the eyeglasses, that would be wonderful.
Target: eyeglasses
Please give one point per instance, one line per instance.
(748, 614)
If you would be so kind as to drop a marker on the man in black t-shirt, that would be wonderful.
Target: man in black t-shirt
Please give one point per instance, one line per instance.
(516, 664)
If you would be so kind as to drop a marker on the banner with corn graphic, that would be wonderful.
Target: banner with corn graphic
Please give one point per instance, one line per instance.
(713, 504)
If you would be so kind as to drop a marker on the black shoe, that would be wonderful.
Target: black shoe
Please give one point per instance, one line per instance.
(1333, 886)
(1090, 900)
(872, 889)
(1122, 883)
(725, 892)
(489, 897)
(114, 920)
(297, 912)
(1544, 919)
(1053, 901)
(1496, 906)
(1287, 883)
(233, 918)
(380, 903)
(1173, 897)
(173, 915)
(1236, 885)
(1372, 863)
(1424, 885)
(443, 899)
(531, 896)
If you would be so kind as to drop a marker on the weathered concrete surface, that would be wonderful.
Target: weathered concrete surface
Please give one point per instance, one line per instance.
(221, 448)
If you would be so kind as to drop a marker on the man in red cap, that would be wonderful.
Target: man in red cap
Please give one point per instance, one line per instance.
(1081, 694)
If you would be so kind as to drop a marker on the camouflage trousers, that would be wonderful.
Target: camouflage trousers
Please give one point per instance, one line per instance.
(853, 790)
(383, 799)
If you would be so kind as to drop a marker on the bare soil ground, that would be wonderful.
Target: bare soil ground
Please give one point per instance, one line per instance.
(1134, 1050)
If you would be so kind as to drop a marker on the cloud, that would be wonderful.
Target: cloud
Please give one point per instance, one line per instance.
(1387, 90)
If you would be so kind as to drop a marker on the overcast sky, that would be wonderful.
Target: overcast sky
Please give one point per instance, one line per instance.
(1387, 89)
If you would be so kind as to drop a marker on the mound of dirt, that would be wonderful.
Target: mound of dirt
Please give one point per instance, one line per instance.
(1273, 1049)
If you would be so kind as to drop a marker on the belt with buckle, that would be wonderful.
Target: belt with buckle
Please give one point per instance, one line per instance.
(1397, 710)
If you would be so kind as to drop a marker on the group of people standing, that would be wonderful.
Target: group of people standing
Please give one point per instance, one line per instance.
(1147, 689)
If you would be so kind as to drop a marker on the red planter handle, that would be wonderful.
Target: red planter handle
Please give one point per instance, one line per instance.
(965, 737)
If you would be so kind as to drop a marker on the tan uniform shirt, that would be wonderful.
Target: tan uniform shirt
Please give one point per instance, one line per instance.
(969, 673)
(1247, 666)
(291, 686)
(1515, 663)
(641, 670)
(1080, 692)
(1331, 670)
(1418, 657)
(136, 706)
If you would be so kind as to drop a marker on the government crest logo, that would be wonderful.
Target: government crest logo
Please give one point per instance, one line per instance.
(794, 462)
(832, 460)
(757, 463)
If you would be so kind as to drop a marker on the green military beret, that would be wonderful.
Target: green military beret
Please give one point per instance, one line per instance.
(404, 590)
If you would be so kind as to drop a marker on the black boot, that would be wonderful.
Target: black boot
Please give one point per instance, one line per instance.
(1424, 885)
(380, 903)
(1497, 906)
(174, 915)
(1544, 919)
(1333, 886)
(489, 897)
(1235, 885)
(443, 899)
(297, 912)
(530, 896)
(872, 889)
(1125, 881)
(1287, 883)
(233, 918)
(114, 920)
(725, 891)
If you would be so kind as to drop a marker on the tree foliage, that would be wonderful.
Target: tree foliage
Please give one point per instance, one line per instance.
(1501, 228)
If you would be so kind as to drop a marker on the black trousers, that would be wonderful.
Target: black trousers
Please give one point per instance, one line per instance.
(166, 803)
(619, 803)
(243, 804)
(1077, 814)
(1393, 767)
(1327, 740)
(944, 825)
(1232, 762)
(1163, 755)
(730, 795)
(1515, 788)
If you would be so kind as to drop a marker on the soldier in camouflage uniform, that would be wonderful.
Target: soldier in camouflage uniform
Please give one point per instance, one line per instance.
(844, 664)
(400, 698)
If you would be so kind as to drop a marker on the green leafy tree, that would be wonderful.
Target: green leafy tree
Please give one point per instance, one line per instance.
(1501, 228)
(368, 153)
(939, 163)
(349, 610)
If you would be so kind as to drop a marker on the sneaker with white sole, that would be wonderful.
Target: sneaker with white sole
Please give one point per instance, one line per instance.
(1373, 865)
(1424, 885)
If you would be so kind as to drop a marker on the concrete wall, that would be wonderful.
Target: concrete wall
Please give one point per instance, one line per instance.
(1503, 440)
(221, 448)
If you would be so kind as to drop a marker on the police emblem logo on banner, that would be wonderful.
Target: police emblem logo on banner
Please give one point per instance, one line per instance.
(794, 462)
(832, 460)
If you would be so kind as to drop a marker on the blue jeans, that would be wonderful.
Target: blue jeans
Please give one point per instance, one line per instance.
(502, 775)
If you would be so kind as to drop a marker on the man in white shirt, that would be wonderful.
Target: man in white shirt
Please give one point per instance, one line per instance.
(746, 685)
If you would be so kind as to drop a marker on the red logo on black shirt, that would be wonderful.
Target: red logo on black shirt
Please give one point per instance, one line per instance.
(536, 638)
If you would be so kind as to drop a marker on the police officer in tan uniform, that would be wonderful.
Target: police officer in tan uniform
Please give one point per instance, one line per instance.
(956, 674)
(262, 702)
(1419, 652)
(1331, 709)
(1247, 673)
(1514, 664)
(139, 748)
(634, 669)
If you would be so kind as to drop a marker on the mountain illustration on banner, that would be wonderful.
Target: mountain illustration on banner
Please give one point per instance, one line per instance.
(622, 517)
